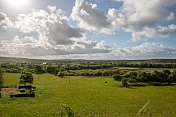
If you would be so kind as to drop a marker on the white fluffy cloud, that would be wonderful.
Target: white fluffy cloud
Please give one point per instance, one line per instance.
(52, 8)
(140, 16)
(51, 27)
(134, 16)
(154, 32)
(5, 22)
(90, 17)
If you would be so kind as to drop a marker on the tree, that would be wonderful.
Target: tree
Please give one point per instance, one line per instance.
(26, 77)
(38, 69)
(1, 79)
(166, 75)
(52, 70)
(143, 76)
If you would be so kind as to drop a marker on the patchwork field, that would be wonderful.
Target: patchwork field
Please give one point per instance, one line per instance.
(88, 96)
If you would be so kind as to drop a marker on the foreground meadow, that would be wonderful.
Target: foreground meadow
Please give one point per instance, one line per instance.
(88, 96)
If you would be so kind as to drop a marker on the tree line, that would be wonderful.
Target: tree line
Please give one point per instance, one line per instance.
(157, 77)
(40, 68)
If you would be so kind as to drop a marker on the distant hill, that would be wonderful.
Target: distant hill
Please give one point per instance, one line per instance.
(41, 61)
(20, 60)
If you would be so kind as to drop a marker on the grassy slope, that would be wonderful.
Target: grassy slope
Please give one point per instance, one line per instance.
(88, 96)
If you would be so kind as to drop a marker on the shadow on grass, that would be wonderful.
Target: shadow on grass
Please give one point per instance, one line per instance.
(137, 85)
(160, 84)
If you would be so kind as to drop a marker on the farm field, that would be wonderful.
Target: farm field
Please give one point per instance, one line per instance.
(88, 96)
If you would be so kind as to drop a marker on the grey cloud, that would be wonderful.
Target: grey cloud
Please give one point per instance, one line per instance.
(61, 33)
(90, 17)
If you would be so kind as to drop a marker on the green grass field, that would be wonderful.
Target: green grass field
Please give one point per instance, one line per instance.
(89, 96)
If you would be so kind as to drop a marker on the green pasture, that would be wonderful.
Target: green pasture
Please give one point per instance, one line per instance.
(89, 97)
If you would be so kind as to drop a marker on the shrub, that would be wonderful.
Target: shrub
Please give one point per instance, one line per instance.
(66, 111)
(124, 82)
(61, 74)
(117, 77)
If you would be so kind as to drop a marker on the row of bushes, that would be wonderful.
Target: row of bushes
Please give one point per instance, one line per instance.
(88, 73)
(165, 76)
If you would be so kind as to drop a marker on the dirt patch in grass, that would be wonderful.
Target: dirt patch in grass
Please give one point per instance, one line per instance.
(8, 91)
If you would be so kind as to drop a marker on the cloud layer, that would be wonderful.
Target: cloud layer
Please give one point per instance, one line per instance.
(143, 51)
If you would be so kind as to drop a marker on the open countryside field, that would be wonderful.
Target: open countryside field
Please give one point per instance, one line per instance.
(88, 96)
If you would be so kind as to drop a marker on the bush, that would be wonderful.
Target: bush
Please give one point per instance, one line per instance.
(66, 111)
(124, 82)
(61, 74)
(117, 77)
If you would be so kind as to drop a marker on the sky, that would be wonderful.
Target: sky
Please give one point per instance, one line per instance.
(88, 29)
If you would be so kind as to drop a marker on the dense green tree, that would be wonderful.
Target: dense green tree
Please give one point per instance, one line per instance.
(52, 70)
(26, 77)
(156, 76)
(143, 76)
(166, 76)
(38, 69)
